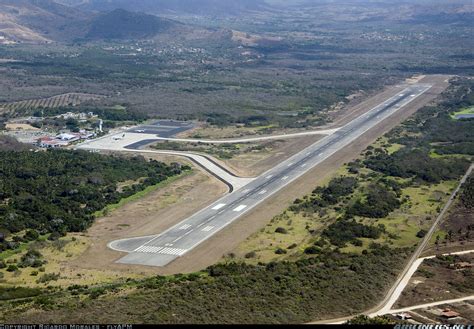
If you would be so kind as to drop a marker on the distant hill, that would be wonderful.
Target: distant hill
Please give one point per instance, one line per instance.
(122, 24)
(39, 20)
(200, 7)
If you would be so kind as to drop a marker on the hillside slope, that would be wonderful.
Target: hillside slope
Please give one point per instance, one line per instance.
(122, 24)
(200, 7)
(39, 20)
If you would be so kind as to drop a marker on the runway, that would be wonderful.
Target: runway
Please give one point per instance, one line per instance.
(160, 250)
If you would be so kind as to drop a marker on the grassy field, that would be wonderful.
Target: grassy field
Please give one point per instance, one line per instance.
(56, 253)
(467, 110)
(111, 207)
(301, 230)
(206, 131)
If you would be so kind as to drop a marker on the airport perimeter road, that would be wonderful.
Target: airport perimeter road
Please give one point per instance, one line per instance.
(160, 250)
(387, 308)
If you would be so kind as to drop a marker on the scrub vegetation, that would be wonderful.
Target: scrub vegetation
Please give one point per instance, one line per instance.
(348, 254)
(290, 292)
(388, 196)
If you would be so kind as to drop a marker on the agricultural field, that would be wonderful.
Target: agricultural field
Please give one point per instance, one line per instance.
(285, 72)
(63, 100)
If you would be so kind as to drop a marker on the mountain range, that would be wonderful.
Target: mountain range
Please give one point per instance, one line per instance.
(39, 21)
(197, 7)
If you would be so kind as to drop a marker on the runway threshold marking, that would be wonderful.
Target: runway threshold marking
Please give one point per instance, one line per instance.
(149, 249)
(172, 251)
(240, 208)
(167, 249)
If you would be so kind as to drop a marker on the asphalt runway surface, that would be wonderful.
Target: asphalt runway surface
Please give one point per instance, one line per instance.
(161, 249)
(163, 128)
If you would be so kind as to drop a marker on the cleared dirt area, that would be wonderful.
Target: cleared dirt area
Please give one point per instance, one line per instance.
(437, 279)
(20, 126)
(204, 130)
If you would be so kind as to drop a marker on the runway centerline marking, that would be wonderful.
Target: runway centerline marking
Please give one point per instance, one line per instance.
(219, 206)
(240, 208)
(184, 227)
(237, 204)
(207, 228)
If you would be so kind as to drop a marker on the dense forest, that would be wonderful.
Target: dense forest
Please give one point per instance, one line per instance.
(59, 191)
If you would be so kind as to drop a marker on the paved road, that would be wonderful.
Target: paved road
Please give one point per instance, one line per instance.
(160, 250)
(415, 261)
(442, 302)
(394, 293)
(406, 279)
(207, 163)
(251, 139)
(133, 143)
(388, 304)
